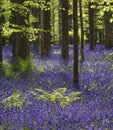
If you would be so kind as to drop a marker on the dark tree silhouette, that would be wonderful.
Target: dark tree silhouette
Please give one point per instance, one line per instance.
(82, 32)
(91, 26)
(2, 20)
(65, 35)
(75, 21)
(45, 25)
(18, 39)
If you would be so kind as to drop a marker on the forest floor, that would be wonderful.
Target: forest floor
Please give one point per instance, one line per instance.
(47, 99)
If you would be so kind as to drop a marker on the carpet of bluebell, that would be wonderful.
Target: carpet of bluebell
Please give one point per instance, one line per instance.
(26, 112)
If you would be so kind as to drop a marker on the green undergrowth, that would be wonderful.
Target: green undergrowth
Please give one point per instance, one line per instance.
(58, 95)
(109, 57)
(19, 67)
(15, 100)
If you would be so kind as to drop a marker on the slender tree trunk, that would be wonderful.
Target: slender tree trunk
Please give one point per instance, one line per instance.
(95, 36)
(48, 28)
(65, 35)
(75, 20)
(0, 47)
(0, 41)
(45, 25)
(13, 36)
(100, 36)
(91, 26)
(36, 24)
(60, 25)
(108, 30)
(2, 20)
(53, 21)
(82, 32)
(42, 34)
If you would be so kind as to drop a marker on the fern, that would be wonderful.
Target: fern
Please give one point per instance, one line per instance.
(57, 95)
(109, 57)
(19, 67)
(14, 100)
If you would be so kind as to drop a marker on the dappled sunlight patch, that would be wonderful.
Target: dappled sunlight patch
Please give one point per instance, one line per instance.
(57, 52)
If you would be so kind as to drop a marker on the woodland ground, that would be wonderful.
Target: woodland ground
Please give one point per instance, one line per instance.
(21, 109)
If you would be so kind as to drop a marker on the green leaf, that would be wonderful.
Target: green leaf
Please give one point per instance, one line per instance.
(60, 90)
(42, 91)
(74, 94)
(52, 98)
(65, 101)
(58, 95)
(42, 70)
(14, 100)
(42, 97)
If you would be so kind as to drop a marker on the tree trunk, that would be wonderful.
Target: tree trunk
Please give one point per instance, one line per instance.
(65, 35)
(108, 30)
(100, 36)
(36, 24)
(2, 20)
(0, 47)
(91, 26)
(60, 25)
(53, 21)
(75, 20)
(19, 41)
(45, 34)
(82, 32)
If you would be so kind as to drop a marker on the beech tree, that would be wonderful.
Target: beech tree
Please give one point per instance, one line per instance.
(65, 35)
(2, 20)
(45, 26)
(19, 22)
(82, 32)
(0, 41)
(91, 26)
(35, 24)
(108, 29)
(75, 22)
(60, 25)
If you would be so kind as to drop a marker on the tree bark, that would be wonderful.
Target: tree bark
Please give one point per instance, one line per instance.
(82, 32)
(108, 30)
(75, 21)
(19, 41)
(45, 34)
(60, 25)
(36, 13)
(65, 35)
(91, 27)
(2, 20)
